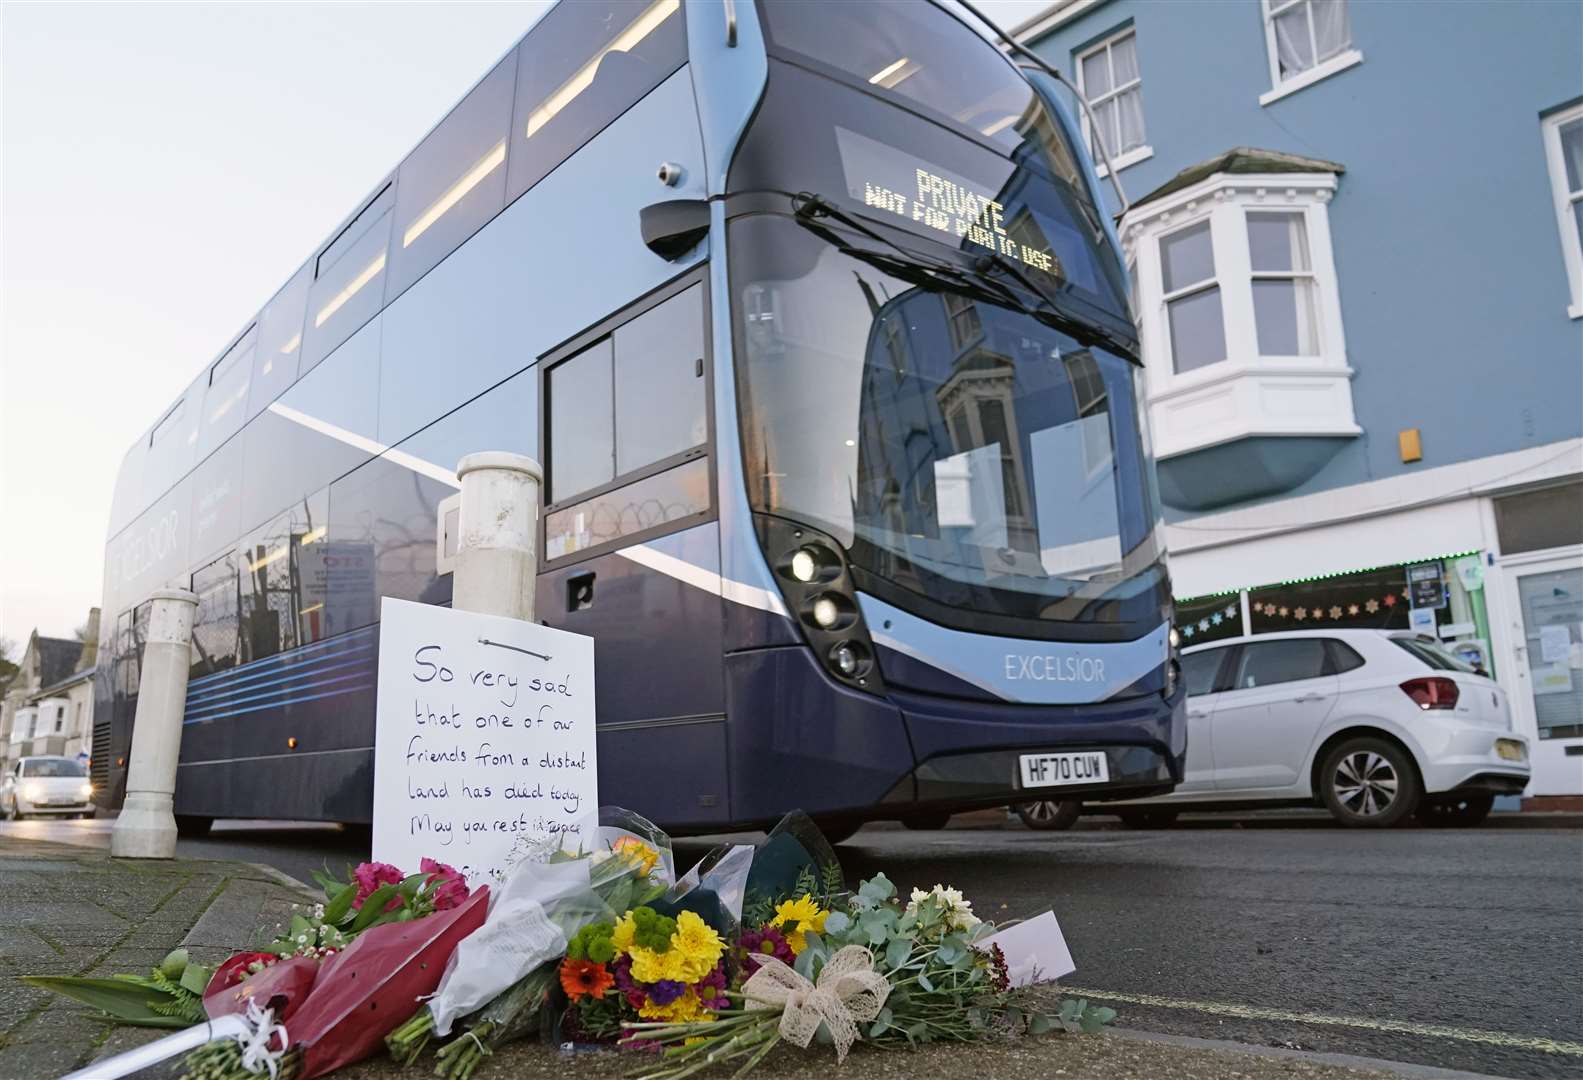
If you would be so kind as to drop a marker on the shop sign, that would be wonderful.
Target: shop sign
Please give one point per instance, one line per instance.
(1425, 586)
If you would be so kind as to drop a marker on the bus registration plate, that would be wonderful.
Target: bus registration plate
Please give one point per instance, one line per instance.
(1057, 770)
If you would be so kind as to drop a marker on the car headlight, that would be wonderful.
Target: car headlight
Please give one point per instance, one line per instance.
(32, 792)
(86, 791)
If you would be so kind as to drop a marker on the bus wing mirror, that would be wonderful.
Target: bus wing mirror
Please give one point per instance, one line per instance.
(674, 227)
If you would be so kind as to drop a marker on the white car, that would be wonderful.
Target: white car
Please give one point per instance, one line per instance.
(46, 785)
(1374, 725)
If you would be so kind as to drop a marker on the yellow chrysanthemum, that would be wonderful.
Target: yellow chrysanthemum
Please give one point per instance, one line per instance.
(795, 918)
(697, 941)
(685, 1009)
(624, 933)
(647, 965)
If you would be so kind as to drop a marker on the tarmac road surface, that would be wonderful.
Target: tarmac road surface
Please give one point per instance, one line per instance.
(1450, 948)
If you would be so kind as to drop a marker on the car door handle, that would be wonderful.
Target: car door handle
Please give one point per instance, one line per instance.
(1195, 714)
(1303, 699)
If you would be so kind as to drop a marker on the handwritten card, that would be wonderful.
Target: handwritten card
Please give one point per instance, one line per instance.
(483, 738)
(1035, 950)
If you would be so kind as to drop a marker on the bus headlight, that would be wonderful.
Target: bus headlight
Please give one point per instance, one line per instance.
(803, 565)
(811, 571)
(826, 612)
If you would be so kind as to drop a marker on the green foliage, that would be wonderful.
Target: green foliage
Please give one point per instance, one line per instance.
(593, 942)
(653, 930)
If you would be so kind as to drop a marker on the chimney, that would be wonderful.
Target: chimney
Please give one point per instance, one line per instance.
(90, 646)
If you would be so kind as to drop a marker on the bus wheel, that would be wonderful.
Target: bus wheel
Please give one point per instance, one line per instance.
(1152, 818)
(193, 825)
(927, 822)
(1050, 814)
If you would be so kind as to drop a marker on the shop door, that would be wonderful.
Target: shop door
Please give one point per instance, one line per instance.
(1548, 698)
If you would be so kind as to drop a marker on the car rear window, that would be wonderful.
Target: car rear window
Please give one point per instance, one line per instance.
(1432, 654)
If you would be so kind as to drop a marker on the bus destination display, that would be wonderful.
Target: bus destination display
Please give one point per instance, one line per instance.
(891, 180)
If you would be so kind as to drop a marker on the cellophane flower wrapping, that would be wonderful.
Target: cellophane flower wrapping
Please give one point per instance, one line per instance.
(375, 983)
(531, 919)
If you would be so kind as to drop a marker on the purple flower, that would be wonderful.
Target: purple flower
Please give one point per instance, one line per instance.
(666, 991)
(766, 942)
(711, 989)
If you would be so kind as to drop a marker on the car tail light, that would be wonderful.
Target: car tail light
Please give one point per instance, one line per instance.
(1432, 692)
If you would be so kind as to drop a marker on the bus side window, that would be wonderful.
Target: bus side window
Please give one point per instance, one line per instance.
(583, 65)
(660, 409)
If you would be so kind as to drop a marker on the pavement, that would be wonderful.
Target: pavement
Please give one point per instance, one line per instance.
(1265, 947)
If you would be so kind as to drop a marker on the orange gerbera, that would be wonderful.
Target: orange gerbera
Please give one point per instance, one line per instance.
(580, 977)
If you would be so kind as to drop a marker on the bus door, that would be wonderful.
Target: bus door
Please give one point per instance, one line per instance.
(630, 550)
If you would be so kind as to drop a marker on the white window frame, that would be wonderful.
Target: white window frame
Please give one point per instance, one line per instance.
(1245, 394)
(1571, 246)
(1137, 153)
(1202, 285)
(1279, 88)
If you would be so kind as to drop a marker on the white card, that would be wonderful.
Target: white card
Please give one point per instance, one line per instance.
(1035, 950)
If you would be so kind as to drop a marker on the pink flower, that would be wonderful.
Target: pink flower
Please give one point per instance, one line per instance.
(448, 885)
(370, 876)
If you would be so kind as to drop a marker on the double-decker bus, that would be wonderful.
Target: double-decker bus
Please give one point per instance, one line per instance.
(810, 312)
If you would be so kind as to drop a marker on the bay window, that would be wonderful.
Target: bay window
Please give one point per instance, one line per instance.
(1238, 307)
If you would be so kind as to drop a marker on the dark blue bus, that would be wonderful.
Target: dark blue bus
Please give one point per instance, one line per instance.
(810, 311)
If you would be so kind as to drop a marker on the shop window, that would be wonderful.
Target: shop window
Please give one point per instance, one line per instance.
(1266, 663)
(1307, 40)
(1563, 136)
(583, 65)
(1550, 517)
(1109, 80)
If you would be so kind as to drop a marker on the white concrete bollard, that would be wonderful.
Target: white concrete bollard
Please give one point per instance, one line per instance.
(146, 828)
(497, 532)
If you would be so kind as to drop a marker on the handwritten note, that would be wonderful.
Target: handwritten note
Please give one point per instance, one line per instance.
(484, 737)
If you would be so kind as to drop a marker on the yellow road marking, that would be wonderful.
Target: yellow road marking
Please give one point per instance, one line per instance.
(1407, 1027)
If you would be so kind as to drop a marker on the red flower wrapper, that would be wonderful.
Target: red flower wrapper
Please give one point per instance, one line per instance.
(235, 970)
(281, 987)
(368, 989)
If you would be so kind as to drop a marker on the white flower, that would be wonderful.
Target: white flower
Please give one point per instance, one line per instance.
(318, 911)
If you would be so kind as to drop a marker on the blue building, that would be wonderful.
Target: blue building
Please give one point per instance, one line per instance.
(1356, 242)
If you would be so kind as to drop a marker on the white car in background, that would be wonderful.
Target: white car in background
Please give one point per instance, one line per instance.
(46, 785)
(1374, 725)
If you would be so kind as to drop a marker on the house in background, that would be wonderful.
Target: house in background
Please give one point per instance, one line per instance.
(1356, 246)
(48, 705)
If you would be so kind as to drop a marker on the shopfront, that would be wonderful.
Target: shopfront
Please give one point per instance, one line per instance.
(1512, 605)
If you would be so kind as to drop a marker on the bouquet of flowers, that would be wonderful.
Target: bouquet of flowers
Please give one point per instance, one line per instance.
(868, 968)
(498, 981)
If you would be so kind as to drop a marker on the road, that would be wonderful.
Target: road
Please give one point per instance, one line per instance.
(1456, 949)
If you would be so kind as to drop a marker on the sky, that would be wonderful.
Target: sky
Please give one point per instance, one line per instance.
(163, 170)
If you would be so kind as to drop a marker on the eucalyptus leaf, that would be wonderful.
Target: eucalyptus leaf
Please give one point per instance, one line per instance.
(1040, 1024)
(923, 981)
(897, 952)
(836, 922)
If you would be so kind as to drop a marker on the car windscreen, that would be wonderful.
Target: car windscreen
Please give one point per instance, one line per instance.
(1432, 654)
(48, 767)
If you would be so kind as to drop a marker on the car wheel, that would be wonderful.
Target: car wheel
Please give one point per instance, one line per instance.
(1369, 783)
(927, 822)
(8, 813)
(1463, 812)
(1050, 815)
(1152, 818)
(193, 825)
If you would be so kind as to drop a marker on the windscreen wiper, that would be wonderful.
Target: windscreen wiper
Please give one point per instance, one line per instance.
(1088, 333)
(808, 209)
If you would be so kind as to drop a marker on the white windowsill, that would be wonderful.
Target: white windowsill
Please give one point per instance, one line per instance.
(1336, 64)
(1121, 161)
(1575, 311)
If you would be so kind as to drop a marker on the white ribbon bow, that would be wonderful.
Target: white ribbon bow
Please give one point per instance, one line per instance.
(256, 1053)
(849, 991)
